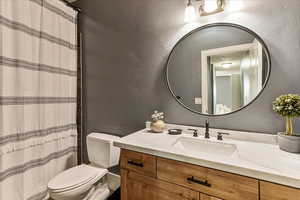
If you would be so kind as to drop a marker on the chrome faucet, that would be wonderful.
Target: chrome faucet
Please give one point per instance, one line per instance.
(206, 129)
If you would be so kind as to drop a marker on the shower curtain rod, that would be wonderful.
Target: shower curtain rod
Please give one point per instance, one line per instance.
(70, 5)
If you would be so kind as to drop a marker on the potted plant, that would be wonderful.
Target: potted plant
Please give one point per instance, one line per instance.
(288, 106)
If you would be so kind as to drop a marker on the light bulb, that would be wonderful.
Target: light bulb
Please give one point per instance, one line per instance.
(226, 65)
(210, 5)
(190, 13)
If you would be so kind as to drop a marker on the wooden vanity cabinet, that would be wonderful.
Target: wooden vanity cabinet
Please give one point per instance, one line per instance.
(138, 162)
(206, 197)
(271, 191)
(147, 177)
(140, 187)
(213, 182)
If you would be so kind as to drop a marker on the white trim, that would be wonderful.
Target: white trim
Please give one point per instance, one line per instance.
(260, 64)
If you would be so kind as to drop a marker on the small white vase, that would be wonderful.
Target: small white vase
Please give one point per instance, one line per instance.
(158, 126)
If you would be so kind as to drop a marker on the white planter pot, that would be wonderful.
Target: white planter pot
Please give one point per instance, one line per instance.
(289, 143)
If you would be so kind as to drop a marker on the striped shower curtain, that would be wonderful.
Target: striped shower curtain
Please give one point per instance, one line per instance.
(38, 72)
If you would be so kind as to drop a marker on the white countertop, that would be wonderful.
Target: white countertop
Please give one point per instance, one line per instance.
(257, 155)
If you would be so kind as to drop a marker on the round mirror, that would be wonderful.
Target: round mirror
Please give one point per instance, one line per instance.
(218, 69)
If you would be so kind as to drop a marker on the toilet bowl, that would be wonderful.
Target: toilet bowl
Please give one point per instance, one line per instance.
(75, 183)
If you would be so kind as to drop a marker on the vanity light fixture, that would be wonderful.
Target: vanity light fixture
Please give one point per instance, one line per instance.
(190, 12)
(207, 7)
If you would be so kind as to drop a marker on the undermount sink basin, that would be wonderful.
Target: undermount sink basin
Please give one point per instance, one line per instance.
(202, 146)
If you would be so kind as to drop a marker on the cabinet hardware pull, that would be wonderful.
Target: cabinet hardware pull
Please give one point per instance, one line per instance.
(131, 162)
(205, 183)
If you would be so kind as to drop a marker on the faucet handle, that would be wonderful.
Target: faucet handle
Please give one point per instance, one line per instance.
(195, 133)
(220, 135)
(206, 129)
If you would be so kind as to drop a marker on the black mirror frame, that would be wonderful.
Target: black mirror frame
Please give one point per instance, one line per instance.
(265, 48)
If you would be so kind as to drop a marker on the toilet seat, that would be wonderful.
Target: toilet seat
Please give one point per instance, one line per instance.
(76, 177)
(76, 193)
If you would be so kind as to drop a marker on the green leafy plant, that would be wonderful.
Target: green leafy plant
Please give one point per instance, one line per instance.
(288, 106)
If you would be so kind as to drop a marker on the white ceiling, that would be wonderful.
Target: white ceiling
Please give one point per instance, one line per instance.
(234, 58)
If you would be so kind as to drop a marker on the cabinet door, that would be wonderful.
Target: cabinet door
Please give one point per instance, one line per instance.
(206, 197)
(138, 162)
(139, 187)
(270, 191)
(209, 181)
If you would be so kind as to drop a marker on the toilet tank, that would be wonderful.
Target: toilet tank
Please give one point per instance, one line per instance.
(101, 151)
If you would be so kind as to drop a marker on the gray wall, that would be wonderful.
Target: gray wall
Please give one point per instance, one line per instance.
(126, 44)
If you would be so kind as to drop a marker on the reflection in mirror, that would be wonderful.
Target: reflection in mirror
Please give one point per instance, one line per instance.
(218, 70)
(236, 77)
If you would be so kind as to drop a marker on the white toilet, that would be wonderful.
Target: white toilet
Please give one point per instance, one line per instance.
(75, 183)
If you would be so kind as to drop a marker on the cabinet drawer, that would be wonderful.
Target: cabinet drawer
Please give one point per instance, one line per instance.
(270, 191)
(206, 197)
(139, 187)
(138, 162)
(212, 182)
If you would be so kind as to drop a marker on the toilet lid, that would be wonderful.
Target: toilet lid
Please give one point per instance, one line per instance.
(75, 176)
